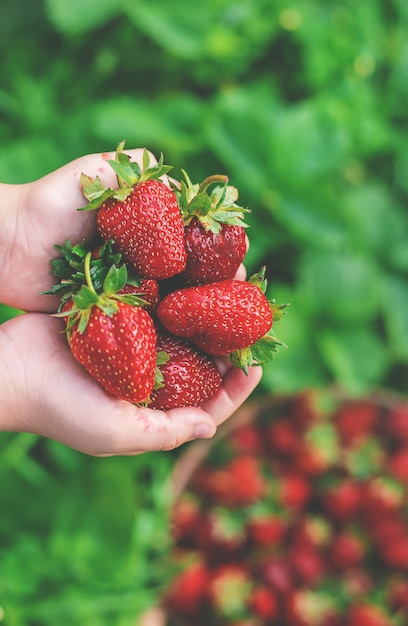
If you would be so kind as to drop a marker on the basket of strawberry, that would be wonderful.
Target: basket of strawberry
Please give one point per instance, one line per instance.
(153, 301)
(295, 515)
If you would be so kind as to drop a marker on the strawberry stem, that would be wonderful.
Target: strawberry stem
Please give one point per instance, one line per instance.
(210, 180)
(87, 272)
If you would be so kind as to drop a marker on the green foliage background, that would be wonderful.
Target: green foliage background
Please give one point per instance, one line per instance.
(304, 105)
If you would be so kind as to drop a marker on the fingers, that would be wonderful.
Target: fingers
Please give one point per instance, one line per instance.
(236, 388)
(58, 399)
(133, 430)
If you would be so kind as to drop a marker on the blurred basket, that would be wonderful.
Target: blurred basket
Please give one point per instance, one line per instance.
(361, 454)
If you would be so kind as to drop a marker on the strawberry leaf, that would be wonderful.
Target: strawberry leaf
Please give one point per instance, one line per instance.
(85, 298)
(161, 358)
(94, 191)
(259, 279)
(115, 280)
(200, 205)
(125, 171)
(263, 351)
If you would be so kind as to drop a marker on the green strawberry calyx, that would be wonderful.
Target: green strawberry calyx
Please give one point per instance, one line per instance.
(108, 300)
(262, 351)
(128, 175)
(69, 268)
(212, 209)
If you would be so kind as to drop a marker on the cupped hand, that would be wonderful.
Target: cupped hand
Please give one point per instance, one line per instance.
(43, 390)
(48, 393)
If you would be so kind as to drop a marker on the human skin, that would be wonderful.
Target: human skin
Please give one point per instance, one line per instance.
(43, 390)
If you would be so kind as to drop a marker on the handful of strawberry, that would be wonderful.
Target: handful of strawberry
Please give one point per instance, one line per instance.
(185, 243)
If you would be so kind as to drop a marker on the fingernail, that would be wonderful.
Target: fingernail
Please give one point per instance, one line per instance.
(203, 431)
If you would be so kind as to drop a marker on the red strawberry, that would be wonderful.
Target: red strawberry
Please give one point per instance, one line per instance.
(214, 230)
(396, 424)
(188, 590)
(382, 498)
(224, 318)
(114, 340)
(188, 377)
(397, 594)
(398, 464)
(246, 439)
(308, 564)
(263, 603)
(366, 614)
(394, 549)
(283, 438)
(356, 420)
(342, 499)
(142, 216)
(212, 256)
(303, 408)
(266, 530)
(294, 491)
(239, 483)
(346, 551)
(147, 289)
(185, 518)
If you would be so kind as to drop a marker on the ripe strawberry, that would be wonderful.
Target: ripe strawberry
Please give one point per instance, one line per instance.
(214, 230)
(238, 483)
(396, 424)
(266, 530)
(229, 317)
(308, 564)
(188, 377)
(188, 590)
(147, 289)
(355, 421)
(294, 491)
(398, 464)
(185, 518)
(112, 337)
(282, 438)
(342, 499)
(246, 439)
(365, 614)
(346, 551)
(382, 498)
(263, 603)
(142, 216)
(394, 550)
(397, 594)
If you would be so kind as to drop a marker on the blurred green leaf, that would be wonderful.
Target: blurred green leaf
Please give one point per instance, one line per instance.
(77, 17)
(343, 287)
(172, 124)
(356, 356)
(179, 27)
(395, 307)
